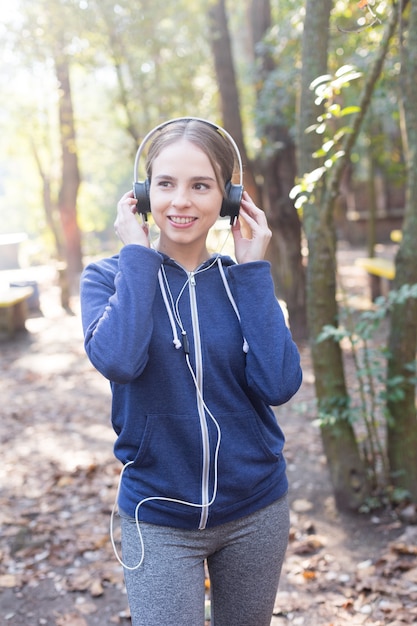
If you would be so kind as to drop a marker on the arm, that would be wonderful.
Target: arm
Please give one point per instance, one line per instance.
(117, 298)
(273, 363)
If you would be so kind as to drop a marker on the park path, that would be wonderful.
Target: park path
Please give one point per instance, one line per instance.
(58, 479)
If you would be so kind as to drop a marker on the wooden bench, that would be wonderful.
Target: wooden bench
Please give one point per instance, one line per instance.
(377, 268)
(13, 309)
(384, 268)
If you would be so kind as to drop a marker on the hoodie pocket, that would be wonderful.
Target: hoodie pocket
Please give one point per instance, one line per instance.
(169, 458)
(250, 456)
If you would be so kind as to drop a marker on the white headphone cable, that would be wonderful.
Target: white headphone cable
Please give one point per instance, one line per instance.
(163, 498)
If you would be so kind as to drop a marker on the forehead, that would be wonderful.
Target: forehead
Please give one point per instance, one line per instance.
(180, 155)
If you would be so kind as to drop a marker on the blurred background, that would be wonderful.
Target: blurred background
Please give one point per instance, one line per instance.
(82, 81)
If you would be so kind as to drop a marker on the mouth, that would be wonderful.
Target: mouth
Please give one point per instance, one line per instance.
(181, 220)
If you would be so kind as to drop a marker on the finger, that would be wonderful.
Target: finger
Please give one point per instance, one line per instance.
(242, 227)
(248, 218)
(253, 210)
(127, 204)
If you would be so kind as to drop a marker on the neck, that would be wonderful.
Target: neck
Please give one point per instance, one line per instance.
(188, 257)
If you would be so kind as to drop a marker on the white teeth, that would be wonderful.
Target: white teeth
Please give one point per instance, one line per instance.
(182, 220)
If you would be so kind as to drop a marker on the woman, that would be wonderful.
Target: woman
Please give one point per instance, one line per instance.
(196, 350)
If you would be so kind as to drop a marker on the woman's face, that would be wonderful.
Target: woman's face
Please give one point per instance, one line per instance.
(184, 194)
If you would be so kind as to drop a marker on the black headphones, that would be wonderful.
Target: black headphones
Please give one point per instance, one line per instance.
(233, 193)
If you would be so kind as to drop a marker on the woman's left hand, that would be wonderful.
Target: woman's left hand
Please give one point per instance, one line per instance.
(252, 249)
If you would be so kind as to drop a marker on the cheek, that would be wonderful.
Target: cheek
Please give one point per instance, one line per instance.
(156, 209)
(156, 215)
(155, 200)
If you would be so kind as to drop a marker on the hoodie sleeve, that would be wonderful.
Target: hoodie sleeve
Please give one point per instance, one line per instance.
(273, 368)
(117, 297)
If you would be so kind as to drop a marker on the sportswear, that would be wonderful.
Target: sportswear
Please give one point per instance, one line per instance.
(195, 360)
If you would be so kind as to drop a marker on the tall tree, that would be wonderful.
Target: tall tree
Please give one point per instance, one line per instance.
(52, 30)
(70, 179)
(402, 420)
(278, 170)
(345, 463)
(346, 468)
(228, 89)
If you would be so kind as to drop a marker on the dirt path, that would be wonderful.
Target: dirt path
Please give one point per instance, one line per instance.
(58, 480)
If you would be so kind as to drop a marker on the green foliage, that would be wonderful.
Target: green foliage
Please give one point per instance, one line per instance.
(331, 411)
(366, 405)
(128, 71)
(166, 70)
(330, 126)
(380, 137)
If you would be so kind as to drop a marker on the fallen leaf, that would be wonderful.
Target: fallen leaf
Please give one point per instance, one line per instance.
(70, 619)
(9, 580)
(96, 588)
(308, 546)
(404, 548)
(87, 608)
(301, 505)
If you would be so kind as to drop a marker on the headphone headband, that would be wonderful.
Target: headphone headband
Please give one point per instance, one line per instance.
(219, 129)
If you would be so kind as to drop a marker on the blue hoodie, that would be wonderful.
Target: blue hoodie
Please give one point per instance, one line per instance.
(195, 360)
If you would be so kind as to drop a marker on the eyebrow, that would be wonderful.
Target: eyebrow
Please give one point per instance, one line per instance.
(192, 179)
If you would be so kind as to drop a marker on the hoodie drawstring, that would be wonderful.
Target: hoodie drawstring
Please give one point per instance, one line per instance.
(176, 341)
(162, 278)
(232, 300)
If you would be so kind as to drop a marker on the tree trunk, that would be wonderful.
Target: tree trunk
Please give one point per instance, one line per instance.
(346, 468)
(278, 173)
(229, 96)
(67, 198)
(402, 423)
(49, 206)
(284, 251)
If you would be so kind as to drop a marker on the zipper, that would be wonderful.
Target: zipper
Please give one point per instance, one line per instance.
(200, 405)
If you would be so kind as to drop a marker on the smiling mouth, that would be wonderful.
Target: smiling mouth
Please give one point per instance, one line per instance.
(181, 220)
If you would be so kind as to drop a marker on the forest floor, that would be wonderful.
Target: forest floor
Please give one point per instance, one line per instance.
(58, 482)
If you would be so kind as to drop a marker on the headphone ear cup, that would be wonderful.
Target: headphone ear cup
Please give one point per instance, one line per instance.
(231, 201)
(141, 193)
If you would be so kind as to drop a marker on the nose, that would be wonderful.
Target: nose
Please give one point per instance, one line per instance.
(180, 197)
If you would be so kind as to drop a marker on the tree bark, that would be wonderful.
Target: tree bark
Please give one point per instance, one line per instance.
(70, 182)
(347, 471)
(228, 91)
(284, 251)
(50, 207)
(402, 344)
(278, 172)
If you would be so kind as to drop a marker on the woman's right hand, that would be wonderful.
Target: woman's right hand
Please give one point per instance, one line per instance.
(127, 226)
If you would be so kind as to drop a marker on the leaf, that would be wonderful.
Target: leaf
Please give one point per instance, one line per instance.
(319, 80)
(96, 588)
(9, 581)
(70, 619)
(345, 69)
(404, 548)
(295, 191)
(349, 110)
(308, 546)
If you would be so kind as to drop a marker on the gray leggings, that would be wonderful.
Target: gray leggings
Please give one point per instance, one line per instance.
(244, 560)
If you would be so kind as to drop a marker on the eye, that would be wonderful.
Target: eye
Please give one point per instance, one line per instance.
(164, 183)
(201, 186)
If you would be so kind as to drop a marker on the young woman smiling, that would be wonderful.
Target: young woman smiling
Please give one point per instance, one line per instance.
(196, 350)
